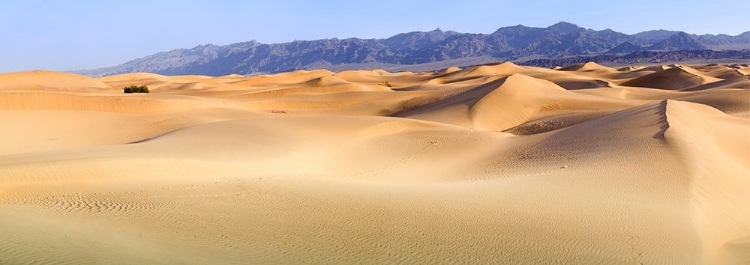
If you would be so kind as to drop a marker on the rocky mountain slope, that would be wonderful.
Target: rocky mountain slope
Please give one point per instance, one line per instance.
(514, 43)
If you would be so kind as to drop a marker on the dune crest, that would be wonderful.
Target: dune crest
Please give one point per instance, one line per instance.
(588, 67)
(49, 81)
(678, 77)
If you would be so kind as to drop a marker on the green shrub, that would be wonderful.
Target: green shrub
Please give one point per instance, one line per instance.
(386, 84)
(135, 89)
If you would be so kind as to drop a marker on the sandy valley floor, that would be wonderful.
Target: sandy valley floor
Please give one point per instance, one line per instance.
(494, 164)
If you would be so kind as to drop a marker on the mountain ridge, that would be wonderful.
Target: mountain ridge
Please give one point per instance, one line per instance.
(511, 43)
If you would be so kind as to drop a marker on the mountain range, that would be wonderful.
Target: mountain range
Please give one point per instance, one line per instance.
(515, 43)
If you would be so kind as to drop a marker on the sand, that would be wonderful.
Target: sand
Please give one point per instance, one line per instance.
(492, 164)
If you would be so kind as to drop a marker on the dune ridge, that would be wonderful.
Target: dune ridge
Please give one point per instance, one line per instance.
(677, 77)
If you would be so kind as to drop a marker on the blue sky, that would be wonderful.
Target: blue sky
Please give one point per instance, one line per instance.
(83, 34)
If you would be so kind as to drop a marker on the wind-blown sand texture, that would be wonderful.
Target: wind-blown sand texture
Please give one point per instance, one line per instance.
(494, 164)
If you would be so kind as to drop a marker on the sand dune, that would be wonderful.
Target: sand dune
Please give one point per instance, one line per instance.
(678, 77)
(588, 67)
(50, 81)
(722, 71)
(740, 82)
(506, 68)
(491, 164)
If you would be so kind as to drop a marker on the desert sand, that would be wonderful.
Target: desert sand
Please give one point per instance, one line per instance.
(492, 164)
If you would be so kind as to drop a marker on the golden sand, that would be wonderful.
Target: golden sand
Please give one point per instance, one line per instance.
(493, 164)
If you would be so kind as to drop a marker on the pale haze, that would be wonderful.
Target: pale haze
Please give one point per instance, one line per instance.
(73, 35)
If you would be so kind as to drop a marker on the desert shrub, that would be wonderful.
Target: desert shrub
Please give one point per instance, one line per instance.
(135, 89)
(386, 84)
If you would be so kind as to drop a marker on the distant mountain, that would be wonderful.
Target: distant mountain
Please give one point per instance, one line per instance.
(678, 41)
(715, 42)
(416, 40)
(654, 36)
(514, 43)
(723, 41)
(625, 47)
(645, 57)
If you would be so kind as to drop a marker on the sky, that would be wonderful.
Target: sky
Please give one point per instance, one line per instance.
(85, 34)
